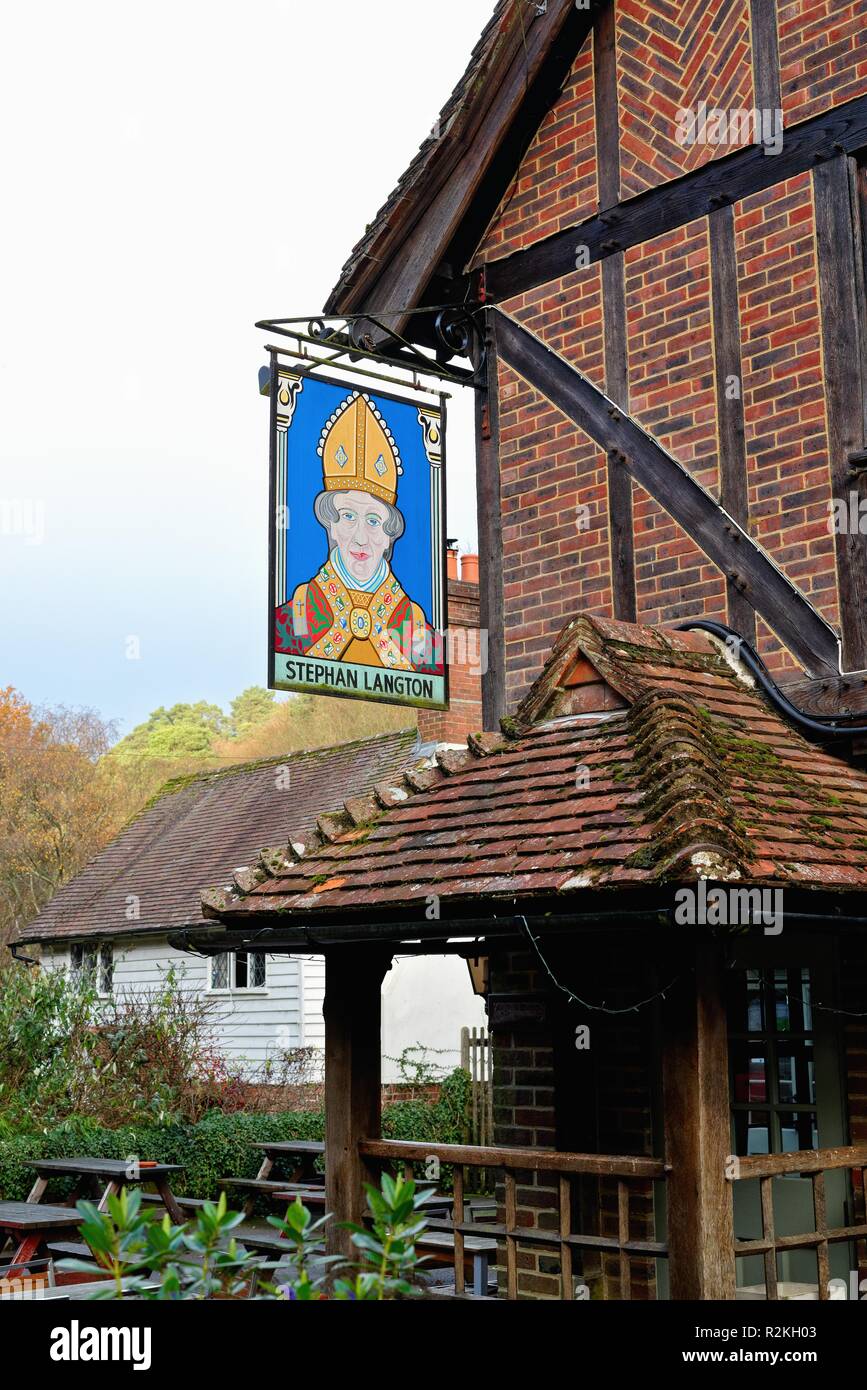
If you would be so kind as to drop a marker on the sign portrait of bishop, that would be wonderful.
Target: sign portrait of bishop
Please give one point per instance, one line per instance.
(354, 609)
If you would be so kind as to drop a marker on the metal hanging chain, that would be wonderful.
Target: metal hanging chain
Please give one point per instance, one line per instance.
(595, 1008)
(828, 1009)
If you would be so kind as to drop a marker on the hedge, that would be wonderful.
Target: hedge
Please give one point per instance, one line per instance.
(220, 1145)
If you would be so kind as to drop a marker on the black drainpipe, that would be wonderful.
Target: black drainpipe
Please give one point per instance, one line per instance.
(15, 952)
(820, 727)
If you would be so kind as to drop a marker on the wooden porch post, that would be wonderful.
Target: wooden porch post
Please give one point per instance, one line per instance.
(353, 979)
(697, 1131)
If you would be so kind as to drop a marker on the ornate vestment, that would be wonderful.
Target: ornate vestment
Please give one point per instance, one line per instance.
(330, 620)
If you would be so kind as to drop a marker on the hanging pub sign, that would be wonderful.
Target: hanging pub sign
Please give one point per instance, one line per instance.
(358, 584)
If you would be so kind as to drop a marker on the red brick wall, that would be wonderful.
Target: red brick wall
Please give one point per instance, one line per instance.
(672, 394)
(556, 183)
(523, 1078)
(677, 56)
(823, 61)
(464, 715)
(783, 394)
(671, 56)
(556, 559)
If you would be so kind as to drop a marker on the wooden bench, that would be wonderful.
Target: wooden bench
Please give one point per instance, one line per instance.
(76, 1292)
(186, 1203)
(478, 1251)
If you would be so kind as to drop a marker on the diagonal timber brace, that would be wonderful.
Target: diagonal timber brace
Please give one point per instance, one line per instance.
(782, 606)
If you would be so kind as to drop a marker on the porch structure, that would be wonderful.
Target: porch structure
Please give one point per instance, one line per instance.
(666, 884)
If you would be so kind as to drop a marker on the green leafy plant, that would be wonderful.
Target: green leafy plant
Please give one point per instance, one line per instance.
(304, 1236)
(416, 1066)
(388, 1249)
(153, 1259)
(141, 1256)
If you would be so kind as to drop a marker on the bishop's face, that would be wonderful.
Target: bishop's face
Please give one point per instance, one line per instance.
(359, 532)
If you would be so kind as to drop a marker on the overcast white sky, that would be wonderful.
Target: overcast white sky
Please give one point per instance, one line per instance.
(170, 174)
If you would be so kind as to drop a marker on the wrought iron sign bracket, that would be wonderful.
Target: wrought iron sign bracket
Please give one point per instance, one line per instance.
(348, 336)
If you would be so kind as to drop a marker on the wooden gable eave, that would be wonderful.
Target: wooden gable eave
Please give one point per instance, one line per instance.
(434, 220)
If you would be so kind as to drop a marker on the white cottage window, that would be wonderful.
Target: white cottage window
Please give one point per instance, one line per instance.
(239, 970)
(94, 966)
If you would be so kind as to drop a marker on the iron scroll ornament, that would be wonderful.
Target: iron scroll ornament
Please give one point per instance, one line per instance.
(457, 331)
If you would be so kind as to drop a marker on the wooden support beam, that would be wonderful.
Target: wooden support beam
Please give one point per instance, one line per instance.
(766, 56)
(834, 695)
(619, 481)
(607, 115)
(698, 1130)
(725, 543)
(673, 204)
(353, 980)
(490, 519)
(842, 334)
(729, 398)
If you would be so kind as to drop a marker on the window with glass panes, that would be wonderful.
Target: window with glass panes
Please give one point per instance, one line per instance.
(771, 1049)
(238, 970)
(94, 966)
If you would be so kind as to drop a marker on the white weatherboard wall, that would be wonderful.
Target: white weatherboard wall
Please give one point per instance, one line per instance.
(425, 1000)
(249, 1025)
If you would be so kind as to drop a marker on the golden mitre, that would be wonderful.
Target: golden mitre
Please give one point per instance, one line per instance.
(358, 451)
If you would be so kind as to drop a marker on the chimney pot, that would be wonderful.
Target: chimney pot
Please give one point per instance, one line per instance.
(470, 569)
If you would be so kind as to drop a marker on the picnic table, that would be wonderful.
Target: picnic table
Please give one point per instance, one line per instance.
(33, 1225)
(303, 1152)
(434, 1206)
(109, 1175)
(478, 1252)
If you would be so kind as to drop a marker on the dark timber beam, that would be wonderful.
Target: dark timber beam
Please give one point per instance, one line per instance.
(660, 210)
(729, 398)
(695, 1086)
(842, 331)
(766, 55)
(620, 531)
(607, 116)
(353, 1087)
(619, 482)
(490, 517)
(834, 695)
(811, 640)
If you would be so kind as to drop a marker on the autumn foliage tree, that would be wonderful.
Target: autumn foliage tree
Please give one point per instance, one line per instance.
(67, 787)
(59, 802)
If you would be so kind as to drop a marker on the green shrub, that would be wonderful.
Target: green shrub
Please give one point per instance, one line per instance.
(64, 1051)
(218, 1146)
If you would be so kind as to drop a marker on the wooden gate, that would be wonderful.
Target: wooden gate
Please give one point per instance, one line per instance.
(477, 1059)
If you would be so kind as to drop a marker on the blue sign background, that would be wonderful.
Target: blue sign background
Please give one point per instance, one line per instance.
(306, 540)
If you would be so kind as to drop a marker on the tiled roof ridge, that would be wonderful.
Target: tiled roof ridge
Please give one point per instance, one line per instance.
(359, 814)
(185, 781)
(694, 778)
(175, 815)
(188, 779)
(613, 648)
(686, 796)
